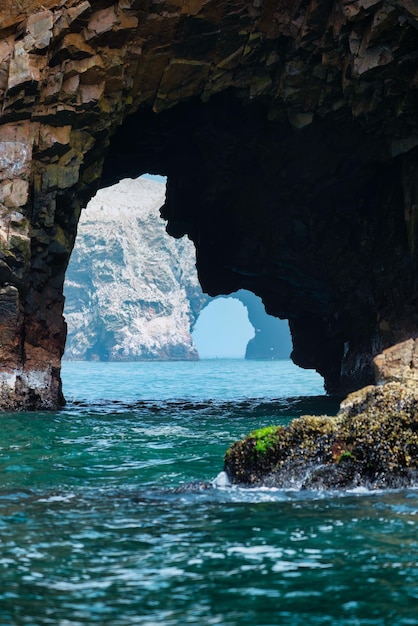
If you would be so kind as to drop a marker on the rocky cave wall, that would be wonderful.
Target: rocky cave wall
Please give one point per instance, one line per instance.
(288, 132)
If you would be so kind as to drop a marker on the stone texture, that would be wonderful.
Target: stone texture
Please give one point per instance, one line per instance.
(398, 363)
(288, 134)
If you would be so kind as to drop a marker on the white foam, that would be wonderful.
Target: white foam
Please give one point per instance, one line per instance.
(221, 481)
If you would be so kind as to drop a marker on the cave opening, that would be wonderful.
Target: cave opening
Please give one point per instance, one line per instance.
(223, 329)
(300, 214)
(132, 291)
(291, 154)
(237, 326)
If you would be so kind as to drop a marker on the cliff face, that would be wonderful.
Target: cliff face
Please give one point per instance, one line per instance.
(288, 132)
(131, 290)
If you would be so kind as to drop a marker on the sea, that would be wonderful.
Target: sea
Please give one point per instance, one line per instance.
(115, 510)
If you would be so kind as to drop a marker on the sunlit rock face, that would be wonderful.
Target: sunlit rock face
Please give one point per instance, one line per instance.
(288, 132)
(131, 290)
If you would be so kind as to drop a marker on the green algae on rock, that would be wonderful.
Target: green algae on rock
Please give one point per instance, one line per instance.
(371, 442)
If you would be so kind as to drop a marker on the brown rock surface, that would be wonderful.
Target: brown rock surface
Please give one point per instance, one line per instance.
(398, 363)
(288, 131)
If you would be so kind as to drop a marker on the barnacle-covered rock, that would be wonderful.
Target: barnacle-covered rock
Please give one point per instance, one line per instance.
(371, 442)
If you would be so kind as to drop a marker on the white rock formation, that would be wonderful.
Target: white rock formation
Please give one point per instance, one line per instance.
(132, 291)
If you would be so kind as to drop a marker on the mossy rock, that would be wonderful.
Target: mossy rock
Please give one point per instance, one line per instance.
(372, 442)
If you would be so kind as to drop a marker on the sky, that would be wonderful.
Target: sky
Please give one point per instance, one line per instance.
(223, 330)
(159, 179)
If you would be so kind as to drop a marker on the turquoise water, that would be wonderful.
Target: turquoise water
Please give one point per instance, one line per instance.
(103, 519)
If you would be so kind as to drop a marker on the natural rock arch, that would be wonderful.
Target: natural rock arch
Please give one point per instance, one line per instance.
(288, 131)
(311, 220)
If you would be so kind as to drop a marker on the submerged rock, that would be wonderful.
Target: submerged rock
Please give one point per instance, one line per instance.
(193, 486)
(372, 442)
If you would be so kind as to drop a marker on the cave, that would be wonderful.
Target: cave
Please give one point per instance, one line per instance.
(309, 219)
(288, 134)
(132, 294)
